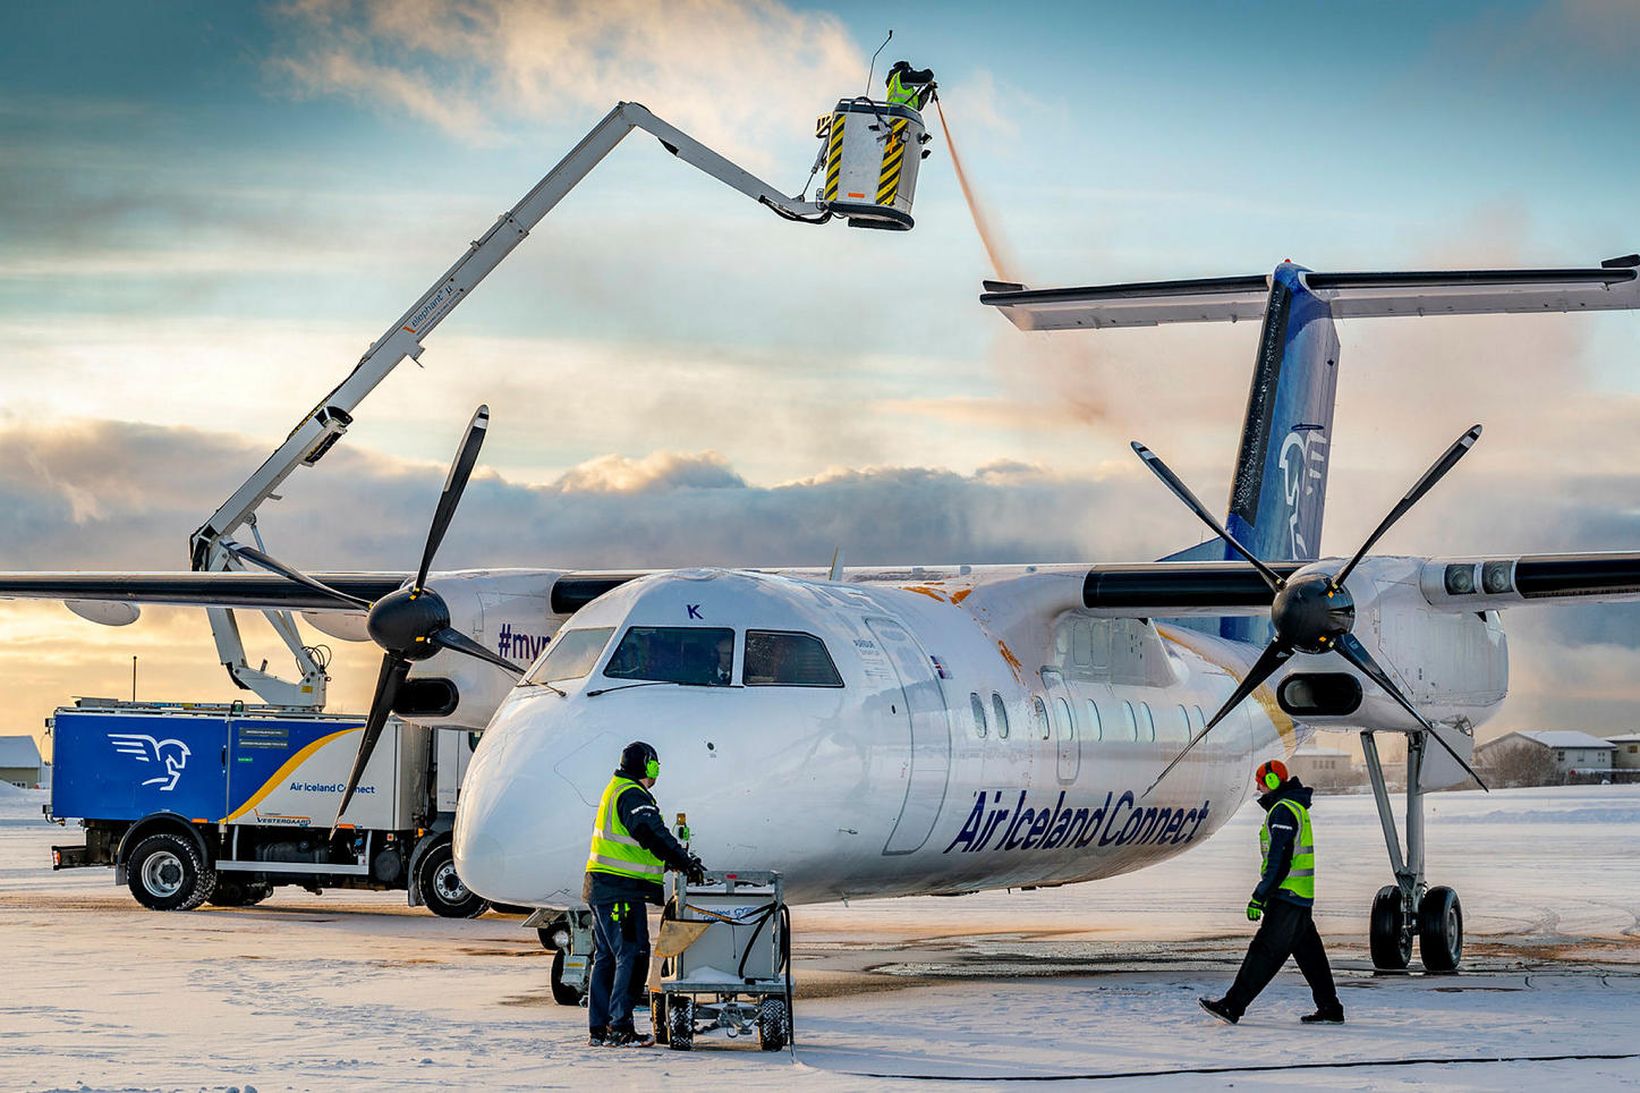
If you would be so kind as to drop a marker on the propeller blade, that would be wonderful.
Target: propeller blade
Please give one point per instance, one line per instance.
(273, 565)
(1274, 656)
(454, 640)
(1459, 449)
(394, 669)
(454, 485)
(1350, 648)
(1182, 492)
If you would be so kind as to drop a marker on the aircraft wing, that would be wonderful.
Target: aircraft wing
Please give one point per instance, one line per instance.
(1174, 589)
(249, 590)
(1612, 285)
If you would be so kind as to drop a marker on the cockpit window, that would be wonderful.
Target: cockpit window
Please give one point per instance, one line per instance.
(700, 655)
(778, 658)
(571, 654)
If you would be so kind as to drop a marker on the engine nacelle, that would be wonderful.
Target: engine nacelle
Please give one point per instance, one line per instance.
(1453, 665)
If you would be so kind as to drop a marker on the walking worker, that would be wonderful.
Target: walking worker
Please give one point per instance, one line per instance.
(909, 86)
(1285, 901)
(631, 851)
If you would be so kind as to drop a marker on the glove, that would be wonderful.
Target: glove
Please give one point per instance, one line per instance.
(696, 873)
(1255, 909)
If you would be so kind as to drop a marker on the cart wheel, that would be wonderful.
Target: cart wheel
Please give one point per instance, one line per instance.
(680, 1022)
(657, 1016)
(565, 994)
(774, 1024)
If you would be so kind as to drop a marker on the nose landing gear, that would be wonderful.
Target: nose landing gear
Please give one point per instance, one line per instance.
(1409, 909)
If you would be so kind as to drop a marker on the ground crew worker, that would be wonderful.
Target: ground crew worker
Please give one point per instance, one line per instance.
(909, 86)
(631, 851)
(1284, 899)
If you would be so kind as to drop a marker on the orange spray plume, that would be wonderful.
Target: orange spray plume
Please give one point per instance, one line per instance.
(1001, 261)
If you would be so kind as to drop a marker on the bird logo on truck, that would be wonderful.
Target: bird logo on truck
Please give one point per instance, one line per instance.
(172, 754)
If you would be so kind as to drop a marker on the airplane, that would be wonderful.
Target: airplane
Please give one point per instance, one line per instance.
(947, 729)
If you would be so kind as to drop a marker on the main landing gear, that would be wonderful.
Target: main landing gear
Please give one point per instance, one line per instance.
(1409, 908)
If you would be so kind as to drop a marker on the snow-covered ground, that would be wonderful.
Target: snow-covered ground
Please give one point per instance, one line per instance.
(357, 990)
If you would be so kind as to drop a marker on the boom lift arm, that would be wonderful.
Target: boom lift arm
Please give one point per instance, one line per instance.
(325, 424)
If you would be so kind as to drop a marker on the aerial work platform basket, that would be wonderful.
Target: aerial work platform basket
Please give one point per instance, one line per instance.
(870, 154)
(723, 960)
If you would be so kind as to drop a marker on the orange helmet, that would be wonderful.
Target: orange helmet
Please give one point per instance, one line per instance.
(1272, 774)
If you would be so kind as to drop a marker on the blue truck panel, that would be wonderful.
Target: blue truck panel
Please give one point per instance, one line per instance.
(119, 766)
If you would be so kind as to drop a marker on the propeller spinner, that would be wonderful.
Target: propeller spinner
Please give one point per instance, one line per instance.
(1312, 611)
(410, 624)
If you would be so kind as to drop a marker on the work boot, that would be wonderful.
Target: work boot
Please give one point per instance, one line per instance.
(629, 1038)
(1327, 1015)
(1220, 1009)
(597, 1037)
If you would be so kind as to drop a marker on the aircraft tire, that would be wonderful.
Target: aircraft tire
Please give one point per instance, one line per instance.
(1391, 942)
(166, 873)
(1440, 930)
(442, 890)
(565, 994)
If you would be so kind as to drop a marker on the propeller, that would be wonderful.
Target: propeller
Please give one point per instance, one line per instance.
(411, 623)
(1312, 612)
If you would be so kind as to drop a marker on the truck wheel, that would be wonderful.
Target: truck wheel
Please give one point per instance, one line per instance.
(441, 887)
(774, 1024)
(233, 893)
(165, 873)
(565, 994)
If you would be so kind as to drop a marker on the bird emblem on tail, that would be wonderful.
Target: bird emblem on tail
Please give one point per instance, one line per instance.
(172, 754)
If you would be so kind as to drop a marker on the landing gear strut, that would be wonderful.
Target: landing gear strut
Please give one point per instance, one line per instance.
(1409, 908)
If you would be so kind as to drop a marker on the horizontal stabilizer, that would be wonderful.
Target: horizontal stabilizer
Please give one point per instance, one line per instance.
(1347, 295)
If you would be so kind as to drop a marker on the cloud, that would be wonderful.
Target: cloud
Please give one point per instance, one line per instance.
(657, 471)
(734, 74)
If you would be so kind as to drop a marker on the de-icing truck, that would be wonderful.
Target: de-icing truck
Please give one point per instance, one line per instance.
(220, 804)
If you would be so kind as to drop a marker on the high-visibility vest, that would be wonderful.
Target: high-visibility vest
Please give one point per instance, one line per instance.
(899, 94)
(614, 850)
(1300, 879)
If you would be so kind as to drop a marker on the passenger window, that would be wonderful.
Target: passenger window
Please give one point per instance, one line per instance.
(1066, 725)
(1201, 721)
(571, 654)
(1000, 708)
(1096, 728)
(1132, 722)
(1184, 723)
(700, 656)
(978, 706)
(778, 658)
(1082, 644)
(1147, 723)
(1040, 716)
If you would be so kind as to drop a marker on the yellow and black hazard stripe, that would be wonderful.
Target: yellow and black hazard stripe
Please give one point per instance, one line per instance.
(888, 180)
(834, 157)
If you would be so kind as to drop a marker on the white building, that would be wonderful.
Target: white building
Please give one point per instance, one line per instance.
(20, 761)
(1323, 768)
(1627, 755)
(1573, 752)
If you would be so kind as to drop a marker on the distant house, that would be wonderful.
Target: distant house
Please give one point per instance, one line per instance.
(1571, 751)
(20, 761)
(1627, 755)
(1324, 768)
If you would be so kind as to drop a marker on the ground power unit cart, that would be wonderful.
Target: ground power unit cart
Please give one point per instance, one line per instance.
(724, 961)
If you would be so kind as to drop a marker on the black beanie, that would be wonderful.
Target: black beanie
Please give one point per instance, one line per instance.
(635, 759)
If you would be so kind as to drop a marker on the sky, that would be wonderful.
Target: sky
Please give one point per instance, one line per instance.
(208, 212)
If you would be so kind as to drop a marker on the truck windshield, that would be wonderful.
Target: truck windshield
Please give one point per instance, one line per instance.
(571, 654)
(699, 655)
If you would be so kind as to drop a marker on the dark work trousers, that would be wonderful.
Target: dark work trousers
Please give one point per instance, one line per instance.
(620, 955)
(1287, 930)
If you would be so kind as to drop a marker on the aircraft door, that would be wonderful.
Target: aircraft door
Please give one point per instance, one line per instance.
(1062, 706)
(930, 727)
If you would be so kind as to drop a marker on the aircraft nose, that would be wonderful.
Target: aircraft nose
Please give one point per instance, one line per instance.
(524, 819)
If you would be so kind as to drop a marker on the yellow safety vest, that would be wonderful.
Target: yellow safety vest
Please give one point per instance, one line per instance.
(614, 850)
(1300, 879)
(899, 94)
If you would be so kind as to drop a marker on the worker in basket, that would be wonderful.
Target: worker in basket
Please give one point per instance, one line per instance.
(1284, 900)
(909, 86)
(631, 851)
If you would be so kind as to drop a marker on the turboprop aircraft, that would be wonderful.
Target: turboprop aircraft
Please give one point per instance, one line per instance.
(945, 729)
